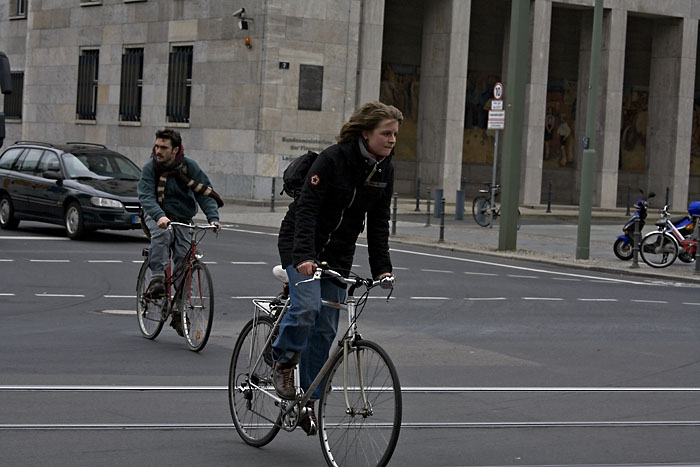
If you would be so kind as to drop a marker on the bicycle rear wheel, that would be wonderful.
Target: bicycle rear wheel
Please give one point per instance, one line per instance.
(481, 210)
(149, 312)
(255, 413)
(658, 249)
(360, 426)
(197, 307)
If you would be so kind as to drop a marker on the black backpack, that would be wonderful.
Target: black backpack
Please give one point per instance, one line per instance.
(296, 173)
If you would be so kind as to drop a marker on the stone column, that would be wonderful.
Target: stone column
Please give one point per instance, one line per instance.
(671, 87)
(442, 94)
(612, 74)
(536, 102)
(370, 51)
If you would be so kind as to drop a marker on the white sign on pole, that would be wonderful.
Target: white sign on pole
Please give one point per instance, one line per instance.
(496, 105)
(498, 91)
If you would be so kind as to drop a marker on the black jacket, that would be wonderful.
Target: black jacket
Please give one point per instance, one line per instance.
(324, 222)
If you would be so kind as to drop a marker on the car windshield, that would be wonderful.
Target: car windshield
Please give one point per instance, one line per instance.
(101, 166)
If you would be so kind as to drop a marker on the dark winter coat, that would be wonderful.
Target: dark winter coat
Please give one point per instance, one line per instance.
(343, 189)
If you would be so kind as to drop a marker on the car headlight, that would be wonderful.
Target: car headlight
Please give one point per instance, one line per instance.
(106, 202)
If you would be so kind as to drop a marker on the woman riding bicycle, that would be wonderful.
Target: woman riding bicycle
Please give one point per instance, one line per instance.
(348, 182)
(170, 188)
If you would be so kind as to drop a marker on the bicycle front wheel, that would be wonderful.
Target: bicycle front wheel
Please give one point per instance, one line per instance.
(360, 408)
(658, 249)
(481, 210)
(197, 307)
(255, 413)
(149, 312)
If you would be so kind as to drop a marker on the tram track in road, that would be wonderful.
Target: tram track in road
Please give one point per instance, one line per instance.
(406, 391)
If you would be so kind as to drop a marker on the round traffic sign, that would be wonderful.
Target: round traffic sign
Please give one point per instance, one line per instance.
(498, 91)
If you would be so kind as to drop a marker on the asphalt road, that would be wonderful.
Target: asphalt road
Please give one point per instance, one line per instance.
(501, 362)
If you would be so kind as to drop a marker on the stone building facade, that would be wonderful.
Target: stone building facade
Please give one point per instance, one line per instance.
(251, 92)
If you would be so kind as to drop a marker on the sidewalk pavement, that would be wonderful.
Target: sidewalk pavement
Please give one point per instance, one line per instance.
(543, 237)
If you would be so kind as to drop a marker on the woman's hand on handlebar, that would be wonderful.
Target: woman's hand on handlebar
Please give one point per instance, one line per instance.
(307, 268)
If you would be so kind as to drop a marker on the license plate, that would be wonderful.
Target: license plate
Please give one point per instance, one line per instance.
(135, 219)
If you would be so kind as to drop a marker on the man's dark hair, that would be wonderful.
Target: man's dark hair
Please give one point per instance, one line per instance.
(172, 135)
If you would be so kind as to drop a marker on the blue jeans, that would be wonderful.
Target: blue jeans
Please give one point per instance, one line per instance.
(308, 329)
(161, 241)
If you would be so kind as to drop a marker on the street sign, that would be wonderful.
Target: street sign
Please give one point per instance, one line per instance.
(498, 91)
(497, 119)
(496, 105)
(497, 114)
(496, 125)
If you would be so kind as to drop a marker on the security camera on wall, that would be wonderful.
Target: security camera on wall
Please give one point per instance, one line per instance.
(239, 13)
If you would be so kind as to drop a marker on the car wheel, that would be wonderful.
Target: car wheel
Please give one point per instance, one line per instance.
(8, 221)
(74, 221)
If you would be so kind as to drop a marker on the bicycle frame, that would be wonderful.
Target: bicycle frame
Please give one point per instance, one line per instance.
(344, 344)
(689, 245)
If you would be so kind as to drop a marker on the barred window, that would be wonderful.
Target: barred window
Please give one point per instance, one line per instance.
(131, 85)
(18, 8)
(179, 84)
(88, 65)
(13, 102)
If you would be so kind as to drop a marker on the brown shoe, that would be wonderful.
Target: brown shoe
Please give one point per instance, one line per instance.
(156, 288)
(283, 380)
(308, 421)
(176, 324)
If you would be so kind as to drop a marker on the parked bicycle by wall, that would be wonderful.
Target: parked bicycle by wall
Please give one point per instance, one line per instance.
(485, 209)
(660, 249)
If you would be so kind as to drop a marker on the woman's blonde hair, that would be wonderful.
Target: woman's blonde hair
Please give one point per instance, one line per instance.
(366, 118)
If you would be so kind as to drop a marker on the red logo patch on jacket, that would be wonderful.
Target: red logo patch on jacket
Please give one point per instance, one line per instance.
(315, 179)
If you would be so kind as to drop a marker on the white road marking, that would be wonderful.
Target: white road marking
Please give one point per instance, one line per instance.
(479, 299)
(430, 298)
(522, 277)
(247, 262)
(105, 261)
(521, 268)
(650, 301)
(7, 295)
(49, 261)
(44, 294)
(243, 297)
(566, 279)
(597, 299)
(438, 270)
(396, 268)
(543, 298)
(119, 312)
(273, 234)
(691, 303)
(3, 260)
(14, 237)
(119, 296)
(480, 273)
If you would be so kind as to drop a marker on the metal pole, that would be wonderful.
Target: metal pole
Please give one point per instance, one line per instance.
(636, 240)
(459, 205)
(272, 199)
(629, 200)
(514, 102)
(493, 179)
(583, 237)
(549, 197)
(418, 195)
(427, 218)
(393, 219)
(442, 220)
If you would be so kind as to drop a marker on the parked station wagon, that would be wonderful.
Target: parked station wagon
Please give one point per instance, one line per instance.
(82, 186)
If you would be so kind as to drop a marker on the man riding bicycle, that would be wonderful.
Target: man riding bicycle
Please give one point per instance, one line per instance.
(347, 189)
(170, 188)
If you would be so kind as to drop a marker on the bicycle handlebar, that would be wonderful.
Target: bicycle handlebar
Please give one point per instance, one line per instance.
(193, 226)
(324, 270)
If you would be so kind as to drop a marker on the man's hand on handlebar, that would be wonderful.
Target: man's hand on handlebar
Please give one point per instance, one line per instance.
(217, 226)
(163, 222)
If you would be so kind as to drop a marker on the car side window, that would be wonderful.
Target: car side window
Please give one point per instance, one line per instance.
(9, 158)
(31, 160)
(48, 162)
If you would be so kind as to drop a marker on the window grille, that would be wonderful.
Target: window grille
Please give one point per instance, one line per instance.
(179, 84)
(88, 64)
(13, 102)
(131, 85)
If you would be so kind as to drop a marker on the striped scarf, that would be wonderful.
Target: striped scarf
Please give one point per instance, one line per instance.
(178, 167)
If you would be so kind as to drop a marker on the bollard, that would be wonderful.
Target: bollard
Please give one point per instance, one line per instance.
(272, 199)
(549, 197)
(459, 205)
(438, 196)
(442, 221)
(393, 220)
(427, 219)
(629, 189)
(696, 237)
(417, 195)
(635, 244)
